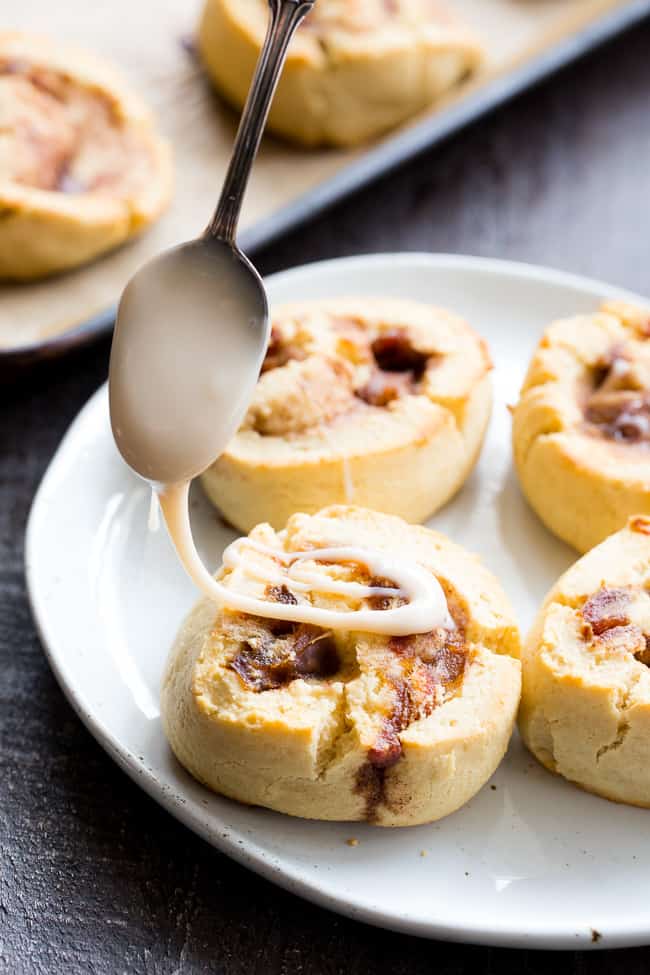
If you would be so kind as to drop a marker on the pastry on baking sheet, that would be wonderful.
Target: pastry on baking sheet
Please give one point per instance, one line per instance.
(355, 69)
(81, 166)
(379, 402)
(585, 710)
(335, 724)
(581, 431)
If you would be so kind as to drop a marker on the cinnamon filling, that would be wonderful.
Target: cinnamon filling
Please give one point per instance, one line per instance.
(618, 409)
(323, 386)
(424, 672)
(397, 371)
(606, 609)
(432, 666)
(281, 594)
(280, 352)
(383, 603)
(640, 524)
(426, 669)
(423, 686)
(419, 672)
(59, 136)
(607, 621)
(623, 417)
(281, 653)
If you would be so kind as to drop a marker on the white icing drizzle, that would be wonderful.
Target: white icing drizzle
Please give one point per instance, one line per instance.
(425, 608)
(306, 581)
(153, 522)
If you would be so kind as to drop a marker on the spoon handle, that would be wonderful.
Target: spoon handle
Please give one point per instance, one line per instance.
(285, 17)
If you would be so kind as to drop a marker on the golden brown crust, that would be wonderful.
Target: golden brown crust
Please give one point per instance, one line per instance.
(346, 725)
(581, 429)
(81, 166)
(355, 392)
(355, 69)
(585, 710)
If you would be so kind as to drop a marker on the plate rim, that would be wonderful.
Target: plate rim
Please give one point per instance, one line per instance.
(494, 934)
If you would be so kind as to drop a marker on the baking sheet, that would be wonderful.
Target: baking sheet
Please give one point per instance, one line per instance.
(525, 40)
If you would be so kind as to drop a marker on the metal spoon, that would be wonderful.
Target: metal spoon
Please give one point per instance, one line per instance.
(193, 325)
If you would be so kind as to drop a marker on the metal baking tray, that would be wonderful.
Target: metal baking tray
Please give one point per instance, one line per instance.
(581, 28)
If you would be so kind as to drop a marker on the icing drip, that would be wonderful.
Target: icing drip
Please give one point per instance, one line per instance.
(425, 607)
(153, 521)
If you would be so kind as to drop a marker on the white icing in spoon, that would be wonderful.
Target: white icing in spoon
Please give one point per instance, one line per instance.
(425, 608)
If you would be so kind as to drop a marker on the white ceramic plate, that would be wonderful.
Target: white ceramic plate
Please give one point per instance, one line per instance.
(531, 860)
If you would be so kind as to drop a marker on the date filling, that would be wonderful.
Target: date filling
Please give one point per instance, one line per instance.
(419, 673)
(279, 651)
(618, 408)
(397, 369)
(607, 621)
(394, 366)
(423, 672)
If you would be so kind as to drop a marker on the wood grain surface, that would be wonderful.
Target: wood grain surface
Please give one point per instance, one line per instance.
(94, 877)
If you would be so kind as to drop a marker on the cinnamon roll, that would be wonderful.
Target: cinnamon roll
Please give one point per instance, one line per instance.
(379, 402)
(581, 429)
(355, 69)
(585, 710)
(81, 166)
(296, 713)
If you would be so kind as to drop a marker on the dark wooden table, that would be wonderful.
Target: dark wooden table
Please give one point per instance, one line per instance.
(94, 876)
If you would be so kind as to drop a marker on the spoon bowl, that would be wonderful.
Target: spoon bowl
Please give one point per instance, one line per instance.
(191, 333)
(193, 324)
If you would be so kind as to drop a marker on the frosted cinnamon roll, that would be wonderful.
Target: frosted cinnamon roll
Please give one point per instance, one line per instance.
(585, 709)
(380, 402)
(581, 430)
(81, 166)
(335, 723)
(355, 69)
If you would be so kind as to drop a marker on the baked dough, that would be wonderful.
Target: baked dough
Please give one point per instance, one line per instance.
(81, 166)
(355, 69)
(343, 725)
(380, 402)
(581, 429)
(585, 710)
